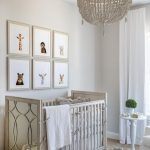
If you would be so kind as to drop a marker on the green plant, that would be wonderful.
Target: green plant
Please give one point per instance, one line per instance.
(131, 103)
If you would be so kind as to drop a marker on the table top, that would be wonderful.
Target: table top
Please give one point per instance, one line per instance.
(141, 117)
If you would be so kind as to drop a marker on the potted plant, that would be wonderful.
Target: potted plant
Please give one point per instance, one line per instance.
(131, 104)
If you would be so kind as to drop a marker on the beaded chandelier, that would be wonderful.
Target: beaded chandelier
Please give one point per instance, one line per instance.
(103, 11)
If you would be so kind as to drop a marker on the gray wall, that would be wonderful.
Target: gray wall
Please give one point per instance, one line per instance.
(110, 73)
(58, 15)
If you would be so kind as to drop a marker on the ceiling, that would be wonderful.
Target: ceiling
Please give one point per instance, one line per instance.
(138, 2)
(135, 2)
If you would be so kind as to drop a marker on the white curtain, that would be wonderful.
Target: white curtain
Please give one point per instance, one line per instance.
(147, 76)
(132, 68)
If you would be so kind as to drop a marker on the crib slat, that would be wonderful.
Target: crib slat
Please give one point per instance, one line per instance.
(81, 129)
(98, 126)
(78, 130)
(95, 126)
(101, 121)
(91, 127)
(73, 118)
(85, 128)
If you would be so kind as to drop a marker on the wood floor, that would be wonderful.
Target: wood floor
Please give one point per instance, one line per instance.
(115, 144)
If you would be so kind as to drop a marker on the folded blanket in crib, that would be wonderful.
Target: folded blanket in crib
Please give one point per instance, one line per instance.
(58, 126)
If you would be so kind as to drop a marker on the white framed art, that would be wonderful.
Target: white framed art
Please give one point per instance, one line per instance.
(60, 45)
(41, 42)
(41, 74)
(19, 74)
(61, 74)
(18, 38)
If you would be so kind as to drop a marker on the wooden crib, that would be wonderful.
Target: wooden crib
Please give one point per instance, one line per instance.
(26, 122)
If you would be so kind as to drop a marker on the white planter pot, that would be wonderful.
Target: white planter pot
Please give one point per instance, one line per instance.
(130, 110)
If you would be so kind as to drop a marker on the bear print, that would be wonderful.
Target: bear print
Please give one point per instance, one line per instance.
(20, 79)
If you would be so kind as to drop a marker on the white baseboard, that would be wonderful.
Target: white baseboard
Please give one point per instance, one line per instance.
(112, 135)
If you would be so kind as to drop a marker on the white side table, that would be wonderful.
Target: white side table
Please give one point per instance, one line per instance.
(133, 123)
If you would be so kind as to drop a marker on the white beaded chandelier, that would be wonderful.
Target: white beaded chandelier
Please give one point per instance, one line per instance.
(103, 11)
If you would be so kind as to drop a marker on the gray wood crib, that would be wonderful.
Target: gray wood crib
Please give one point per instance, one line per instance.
(25, 122)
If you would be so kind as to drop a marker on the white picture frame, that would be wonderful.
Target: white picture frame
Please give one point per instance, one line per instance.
(19, 76)
(41, 74)
(60, 45)
(18, 38)
(61, 74)
(41, 42)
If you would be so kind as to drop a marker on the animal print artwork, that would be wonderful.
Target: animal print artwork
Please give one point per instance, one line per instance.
(42, 76)
(61, 48)
(20, 79)
(43, 49)
(20, 38)
(61, 78)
